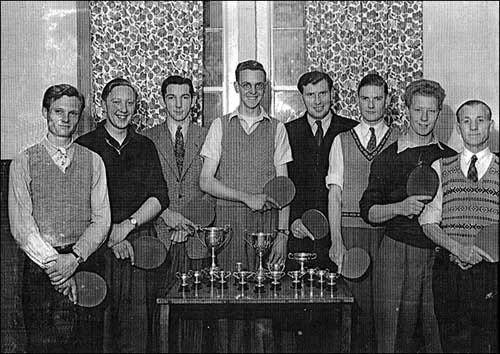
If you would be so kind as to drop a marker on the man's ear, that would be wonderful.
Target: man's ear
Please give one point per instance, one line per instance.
(45, 113)
(236, 87)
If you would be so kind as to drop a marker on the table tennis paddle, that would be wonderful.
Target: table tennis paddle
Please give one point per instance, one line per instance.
(149, 252)
(199, 211)
(356, 262)
(281, 189)
(296, 225)
(316, 222)
(91, 289)
(487, 241)
(422, 180)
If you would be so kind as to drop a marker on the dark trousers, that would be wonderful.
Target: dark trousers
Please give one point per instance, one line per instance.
(465, 304)
(53, 324)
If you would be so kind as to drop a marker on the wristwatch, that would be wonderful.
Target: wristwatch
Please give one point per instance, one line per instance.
(133, 221)
(284, 232)
(79, 258)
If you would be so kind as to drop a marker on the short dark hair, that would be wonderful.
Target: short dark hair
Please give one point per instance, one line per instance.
(249, 65)
(55, 92)
(424, 87)
(473, 103)
(119, 81)
(373, 79)
(176, 80)
(313, 77)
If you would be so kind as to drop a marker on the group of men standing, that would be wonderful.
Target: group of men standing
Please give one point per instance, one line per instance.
(87, 200)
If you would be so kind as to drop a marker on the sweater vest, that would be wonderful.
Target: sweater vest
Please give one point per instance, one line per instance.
(357, 161)
(468, 206)
(61, 201)
(247, 160)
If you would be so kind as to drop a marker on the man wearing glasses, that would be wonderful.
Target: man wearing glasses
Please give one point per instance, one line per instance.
(242, 152)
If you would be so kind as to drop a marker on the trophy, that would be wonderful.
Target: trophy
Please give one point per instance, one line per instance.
(302, 257)
(242, 276)
(321, 274)
(331, 280)
(261, 241)
(311, 272)
(210, 274)
(196, 274)
(214, 238)
(222, 275)
(275, 273)
(259, 287)
(296, 275)
(184, 284)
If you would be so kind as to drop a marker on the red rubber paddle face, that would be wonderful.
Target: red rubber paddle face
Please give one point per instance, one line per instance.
(422, 180)
(199, 211)
(91, 289)
(149, 252)
(281, 189)
(316, 222)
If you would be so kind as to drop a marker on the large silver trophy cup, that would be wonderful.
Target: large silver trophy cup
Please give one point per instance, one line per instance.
(261, 241)
(214, 238)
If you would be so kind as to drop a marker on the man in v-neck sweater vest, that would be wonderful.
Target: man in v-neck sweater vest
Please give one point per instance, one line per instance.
(350, 157)
(464, 277)
(402, 271)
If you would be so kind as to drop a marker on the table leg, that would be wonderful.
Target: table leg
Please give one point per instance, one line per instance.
(164, 330)
(345, 328)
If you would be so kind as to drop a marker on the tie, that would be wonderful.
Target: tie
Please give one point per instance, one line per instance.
(472, 174)
(61, 159)
(319, 133)
(372, 143)
(179, 148)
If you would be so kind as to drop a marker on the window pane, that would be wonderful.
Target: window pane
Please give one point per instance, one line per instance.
(213, 63)
(288, 105)
(288, 14)
(212, 107)
(289, 56)
(212, 14)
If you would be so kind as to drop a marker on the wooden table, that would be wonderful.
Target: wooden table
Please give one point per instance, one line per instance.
(211, 302)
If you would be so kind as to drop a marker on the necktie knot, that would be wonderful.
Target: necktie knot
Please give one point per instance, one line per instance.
(319, 133)
(179, 148)
(472, 173)
(372, 143)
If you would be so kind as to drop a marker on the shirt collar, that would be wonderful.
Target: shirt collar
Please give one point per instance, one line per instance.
(364, 128)
(325, 122)
(53, 149)
(404, 143)
(172, 126)
(467, 154)
(263, 114)
(131, 134)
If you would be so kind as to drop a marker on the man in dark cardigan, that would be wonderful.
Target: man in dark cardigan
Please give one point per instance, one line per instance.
(310, 138)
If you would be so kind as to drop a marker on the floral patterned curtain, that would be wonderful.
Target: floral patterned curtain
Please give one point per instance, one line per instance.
(349, 39)
(145, 41)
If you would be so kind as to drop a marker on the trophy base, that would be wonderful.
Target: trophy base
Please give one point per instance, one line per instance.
(259, 289)
(222, 285)
(243, 286)
(310, 283)
(184, 288)
(296, 285)
(276, 287)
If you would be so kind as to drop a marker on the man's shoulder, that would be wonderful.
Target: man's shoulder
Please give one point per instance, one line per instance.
(153, 132)
(296, 123)
(447, 151)
(87, 138)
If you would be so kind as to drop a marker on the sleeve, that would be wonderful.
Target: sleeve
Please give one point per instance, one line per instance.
(155, 181)
(22, 223)
(282, 150)
(212, 148)
(335, 165)
(432, 212)
(375, 191)
(100, 222)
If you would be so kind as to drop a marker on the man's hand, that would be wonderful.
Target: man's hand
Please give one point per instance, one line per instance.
(278, 251)
(337, 253)
(300, 231)
(124, 250)
(177, 221)
(60, 271)
(119, 232)
(260, 202)
(413, 206)
(68, 288)
(483, 254)
(179, 236)
(468, 255)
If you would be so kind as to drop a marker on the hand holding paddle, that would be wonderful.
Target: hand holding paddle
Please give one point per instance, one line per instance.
(149, 252)
(316, 223)
(198, 213)
(299, 230)
(91, 289)
(281, 190)
(260, 202)
(422, 184)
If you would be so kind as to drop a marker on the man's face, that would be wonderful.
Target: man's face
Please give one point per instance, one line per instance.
(474, 125)
(372, 102)
(63, 116)
(178, 102)
(317, 99)
(120, 106)
(251, 88)
(423, 114)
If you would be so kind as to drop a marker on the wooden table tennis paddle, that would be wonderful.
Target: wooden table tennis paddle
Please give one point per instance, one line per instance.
(91, 289)
(487, 241)
(356, 262)
(316, 222)
(422, 180)
(281, 189)
(199, 211)
(149, 252)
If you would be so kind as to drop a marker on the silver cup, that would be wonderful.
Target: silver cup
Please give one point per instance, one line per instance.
(261, 242)
(214, 238)
(301, 258)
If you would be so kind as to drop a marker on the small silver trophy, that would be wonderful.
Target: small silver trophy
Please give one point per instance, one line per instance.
(214, 238)
(296, 275)
(243, 276)
(301, 258)
(275, 272)
(184, 278)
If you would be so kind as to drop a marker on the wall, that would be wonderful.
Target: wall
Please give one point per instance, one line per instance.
(39, 49)
(461, 51)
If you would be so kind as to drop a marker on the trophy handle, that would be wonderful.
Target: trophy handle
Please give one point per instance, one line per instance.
(200, 239)
(227, 229)
(290, 256)
(313, 256)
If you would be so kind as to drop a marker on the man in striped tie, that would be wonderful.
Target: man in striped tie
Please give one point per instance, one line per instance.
(467, 201)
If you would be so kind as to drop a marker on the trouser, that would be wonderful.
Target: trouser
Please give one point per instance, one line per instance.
(465, 303)
(53, 323)
(403, 302)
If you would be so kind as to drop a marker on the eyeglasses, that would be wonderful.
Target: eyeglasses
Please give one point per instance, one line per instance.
(259, 86)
